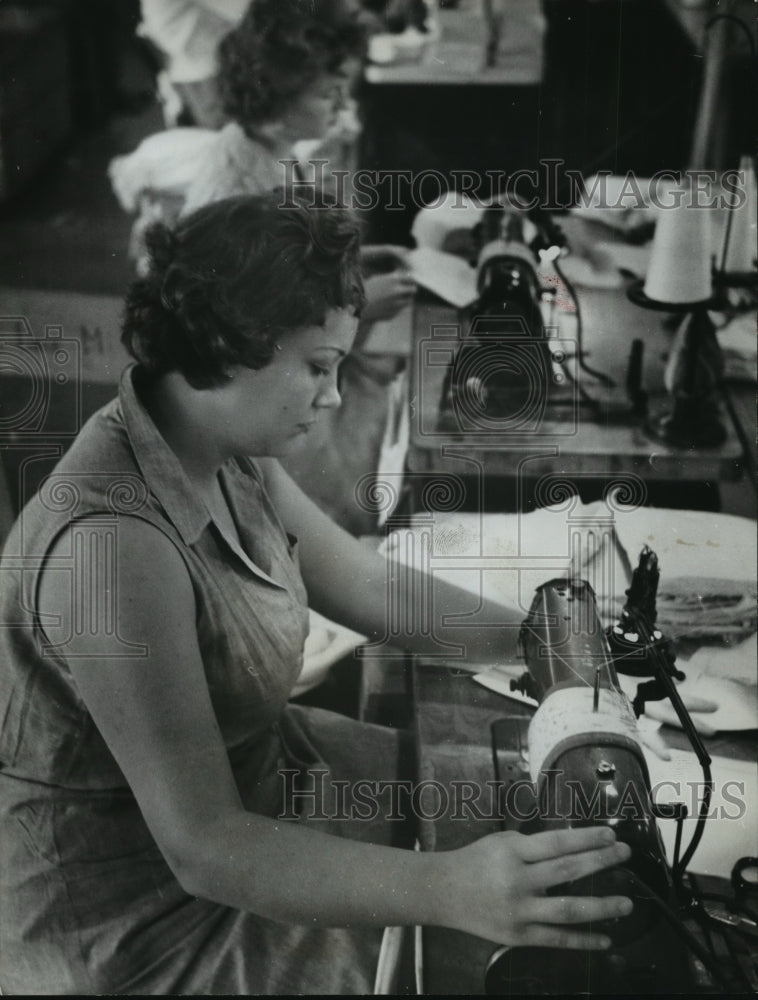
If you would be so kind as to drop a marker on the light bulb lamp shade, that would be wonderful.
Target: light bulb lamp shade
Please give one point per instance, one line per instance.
(679, 281)
(693, 376)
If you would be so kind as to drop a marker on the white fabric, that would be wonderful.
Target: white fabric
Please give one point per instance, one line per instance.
(166, 161)
(394, 448)
(505, 557)
(233, 165)
(188, 33)
(327, 643)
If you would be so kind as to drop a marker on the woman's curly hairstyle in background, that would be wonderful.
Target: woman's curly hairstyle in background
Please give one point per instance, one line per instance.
(279, 48)
(233, 278)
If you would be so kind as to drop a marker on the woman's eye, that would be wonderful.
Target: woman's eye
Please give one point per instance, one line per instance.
(318, 370)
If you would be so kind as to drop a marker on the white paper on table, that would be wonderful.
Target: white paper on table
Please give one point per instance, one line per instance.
(498, 679)
(453, 212)
(327, 642)
(397, 435)
(448, 276)
(738, 345)
(627, 256)
(732, 830)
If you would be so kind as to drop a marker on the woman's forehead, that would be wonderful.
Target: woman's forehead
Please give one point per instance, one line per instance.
(336, 333)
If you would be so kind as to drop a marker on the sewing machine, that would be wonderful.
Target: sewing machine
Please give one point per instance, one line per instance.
(588, 767)
(579, 760)
(515, 371)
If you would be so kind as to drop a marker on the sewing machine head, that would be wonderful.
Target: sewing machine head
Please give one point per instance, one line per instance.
(588, 768)
(506, 374)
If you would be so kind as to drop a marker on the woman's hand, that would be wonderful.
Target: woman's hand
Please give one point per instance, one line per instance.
(496, 887)
(384, 256)
(387, 294)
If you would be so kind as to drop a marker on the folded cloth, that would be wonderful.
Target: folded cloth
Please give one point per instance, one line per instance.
(738, 345)
(165, 161)
(699, 607)
(707, 589)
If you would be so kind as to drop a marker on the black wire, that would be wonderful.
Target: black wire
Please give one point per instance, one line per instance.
(681, 867)
(701, 910)
(682, 930)
(735, 961)
(600, 376)
(652, 646)
(678, 842)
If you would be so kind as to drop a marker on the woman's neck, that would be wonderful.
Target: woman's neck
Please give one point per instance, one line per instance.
(277, 136)
(173, 407)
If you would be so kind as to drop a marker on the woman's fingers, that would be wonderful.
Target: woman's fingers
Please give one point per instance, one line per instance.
(664, 712)
(653, 740)
(403, 281)
(570, 867)
(554, 843)
(575, 909)
(697, 704)
(387, 250)
(377, 252)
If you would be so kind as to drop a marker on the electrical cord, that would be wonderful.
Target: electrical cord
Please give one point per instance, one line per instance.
(600, 376)
(697, 949)
(681, 866)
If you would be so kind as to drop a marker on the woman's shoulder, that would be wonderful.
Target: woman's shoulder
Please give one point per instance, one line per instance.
(98, 476)
(234, 165)
(165, 161)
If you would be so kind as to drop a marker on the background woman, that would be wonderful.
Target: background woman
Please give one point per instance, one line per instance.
(285, 75)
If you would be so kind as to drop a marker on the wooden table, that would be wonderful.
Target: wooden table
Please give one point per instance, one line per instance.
(455, 52)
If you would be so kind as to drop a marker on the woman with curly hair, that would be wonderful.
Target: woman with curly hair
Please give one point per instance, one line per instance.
(284, 74)
(169, 823)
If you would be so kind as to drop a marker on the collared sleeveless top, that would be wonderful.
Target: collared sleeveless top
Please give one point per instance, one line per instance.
(85, 889)
(252, 616)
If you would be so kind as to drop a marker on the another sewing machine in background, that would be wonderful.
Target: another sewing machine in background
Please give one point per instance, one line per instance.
(518, 368)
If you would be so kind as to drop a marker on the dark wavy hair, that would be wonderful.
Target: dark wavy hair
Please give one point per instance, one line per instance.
(279, 48)
(234, 277)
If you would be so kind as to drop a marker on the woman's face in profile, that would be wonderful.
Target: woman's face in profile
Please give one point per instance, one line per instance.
(267, 412)
(314, 112)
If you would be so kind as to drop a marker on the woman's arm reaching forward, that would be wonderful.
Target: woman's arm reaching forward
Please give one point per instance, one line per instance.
(154, 711)
(375, 596)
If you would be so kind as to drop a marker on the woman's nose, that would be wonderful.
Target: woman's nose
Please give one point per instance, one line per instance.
(329, 396)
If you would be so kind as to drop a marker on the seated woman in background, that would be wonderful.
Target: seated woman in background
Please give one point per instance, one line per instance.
(284, 76)
(157, 586)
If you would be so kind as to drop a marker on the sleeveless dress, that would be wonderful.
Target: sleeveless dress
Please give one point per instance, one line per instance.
(87, 902)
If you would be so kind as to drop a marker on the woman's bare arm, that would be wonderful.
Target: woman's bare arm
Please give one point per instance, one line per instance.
(368, 592)
(155, 714)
